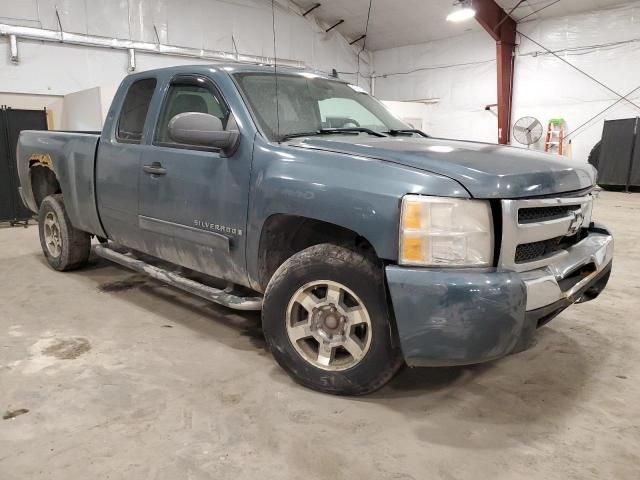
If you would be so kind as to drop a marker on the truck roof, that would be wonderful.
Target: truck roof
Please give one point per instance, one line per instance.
(232, 67)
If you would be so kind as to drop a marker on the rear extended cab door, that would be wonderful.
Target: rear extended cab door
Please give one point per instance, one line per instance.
(192, 201)
(119, 158)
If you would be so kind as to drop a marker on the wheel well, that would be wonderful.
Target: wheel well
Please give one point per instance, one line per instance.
(285, 235)
(43, 182)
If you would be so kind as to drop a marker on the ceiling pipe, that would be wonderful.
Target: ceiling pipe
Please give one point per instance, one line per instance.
(132, 60)
(57, 36)
(13, 49)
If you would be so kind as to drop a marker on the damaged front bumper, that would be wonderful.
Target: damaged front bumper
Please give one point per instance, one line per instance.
(457, 317)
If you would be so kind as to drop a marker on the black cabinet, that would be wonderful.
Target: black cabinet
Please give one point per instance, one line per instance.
(619, 161)
(12, 122)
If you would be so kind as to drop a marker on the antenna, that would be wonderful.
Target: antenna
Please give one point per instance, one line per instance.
(364, 44)
(275, 68)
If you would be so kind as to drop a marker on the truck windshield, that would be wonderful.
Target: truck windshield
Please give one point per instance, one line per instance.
(308, 103)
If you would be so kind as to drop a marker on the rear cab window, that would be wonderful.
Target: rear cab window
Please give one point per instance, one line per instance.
(134, 111)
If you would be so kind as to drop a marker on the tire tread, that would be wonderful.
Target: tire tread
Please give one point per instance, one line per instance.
(76, 244)
(338, 256)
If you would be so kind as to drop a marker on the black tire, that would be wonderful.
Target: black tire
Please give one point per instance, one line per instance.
(75, 245)
(363, 277)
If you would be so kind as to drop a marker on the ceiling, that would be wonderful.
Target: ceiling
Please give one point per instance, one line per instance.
(395, 23)
(551, 8)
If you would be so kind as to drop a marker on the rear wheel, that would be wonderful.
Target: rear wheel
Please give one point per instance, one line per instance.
(64, 246)
(327, 322)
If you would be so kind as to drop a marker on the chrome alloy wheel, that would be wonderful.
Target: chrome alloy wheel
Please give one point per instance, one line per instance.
(328, 325)
(52, 235)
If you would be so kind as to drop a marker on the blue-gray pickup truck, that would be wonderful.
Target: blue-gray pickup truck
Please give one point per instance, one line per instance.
(366, 243)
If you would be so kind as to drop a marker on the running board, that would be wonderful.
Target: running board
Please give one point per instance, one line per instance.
(223, 297)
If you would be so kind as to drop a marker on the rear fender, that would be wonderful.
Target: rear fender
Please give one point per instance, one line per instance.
(71, 158)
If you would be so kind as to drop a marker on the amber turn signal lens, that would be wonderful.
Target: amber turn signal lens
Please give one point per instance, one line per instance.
(412, 248)
(412, 215)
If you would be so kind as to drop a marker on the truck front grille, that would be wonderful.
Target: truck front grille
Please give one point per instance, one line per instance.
(537, 214)
(535, 231)
(528, 252)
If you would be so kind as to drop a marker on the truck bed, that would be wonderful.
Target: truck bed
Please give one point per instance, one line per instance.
(71, 156)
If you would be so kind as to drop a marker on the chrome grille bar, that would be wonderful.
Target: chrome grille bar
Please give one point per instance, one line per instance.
(514, 233)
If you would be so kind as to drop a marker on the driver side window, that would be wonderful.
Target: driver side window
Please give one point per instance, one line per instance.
(182, 98)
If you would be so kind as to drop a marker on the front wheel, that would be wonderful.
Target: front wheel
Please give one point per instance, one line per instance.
(327, 322)
(64, 246)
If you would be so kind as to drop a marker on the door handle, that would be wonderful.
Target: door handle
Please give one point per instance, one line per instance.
(155, 168)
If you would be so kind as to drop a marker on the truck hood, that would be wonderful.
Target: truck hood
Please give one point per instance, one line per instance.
(485, 170)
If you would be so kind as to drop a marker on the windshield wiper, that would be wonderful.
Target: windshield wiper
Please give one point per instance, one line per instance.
(328, 131)
(352, 129)
(406, 131)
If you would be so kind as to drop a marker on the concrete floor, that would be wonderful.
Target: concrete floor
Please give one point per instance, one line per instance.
(125, 378)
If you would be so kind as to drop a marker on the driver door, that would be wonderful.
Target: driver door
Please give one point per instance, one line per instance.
(192, 199)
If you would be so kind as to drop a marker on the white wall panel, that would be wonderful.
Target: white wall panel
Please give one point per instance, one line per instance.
(82, 110)
(108, 18)
(544, 86)
(457, 74)
(57, 69)
(413, 113)
(186, 29)
(73, 15)
(144, 15)
(21, 12)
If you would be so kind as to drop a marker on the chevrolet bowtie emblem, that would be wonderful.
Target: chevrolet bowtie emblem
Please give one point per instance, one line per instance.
(576, 223)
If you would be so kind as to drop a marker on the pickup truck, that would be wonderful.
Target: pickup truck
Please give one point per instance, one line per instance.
(367, 244)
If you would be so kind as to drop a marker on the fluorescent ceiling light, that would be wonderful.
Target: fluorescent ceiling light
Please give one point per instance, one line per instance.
(461, 14)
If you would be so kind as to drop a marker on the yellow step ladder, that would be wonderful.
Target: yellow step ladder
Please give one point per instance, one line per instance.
(554, 141)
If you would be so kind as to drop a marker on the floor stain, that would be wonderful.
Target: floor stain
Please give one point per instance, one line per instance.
(230, 398)
(68, 348)
(9, 414)
(134, 281)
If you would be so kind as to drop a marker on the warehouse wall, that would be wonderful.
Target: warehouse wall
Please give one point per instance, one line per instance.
(52, 103)
(412, 113)
(606, 45)
(83, 110)
(455, 76)
(461, 73)
(57, 69)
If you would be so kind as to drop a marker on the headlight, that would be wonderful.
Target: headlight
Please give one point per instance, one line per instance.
(447, 232)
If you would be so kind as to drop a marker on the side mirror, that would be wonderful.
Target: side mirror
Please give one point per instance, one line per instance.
(202, 129)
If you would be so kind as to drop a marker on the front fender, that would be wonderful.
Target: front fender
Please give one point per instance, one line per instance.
(354, 192)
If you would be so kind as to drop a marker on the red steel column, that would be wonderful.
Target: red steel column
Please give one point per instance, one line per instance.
(502, 29)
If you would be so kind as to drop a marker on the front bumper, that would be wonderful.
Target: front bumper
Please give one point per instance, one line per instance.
(459, 317)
